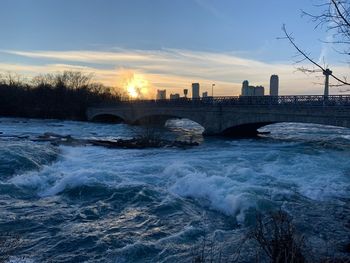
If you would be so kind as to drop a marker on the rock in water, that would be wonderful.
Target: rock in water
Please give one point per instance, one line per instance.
(134, 143)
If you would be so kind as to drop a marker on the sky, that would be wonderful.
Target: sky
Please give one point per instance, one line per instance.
(168, 44)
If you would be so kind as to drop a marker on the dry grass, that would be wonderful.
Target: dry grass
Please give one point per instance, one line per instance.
(276, 235)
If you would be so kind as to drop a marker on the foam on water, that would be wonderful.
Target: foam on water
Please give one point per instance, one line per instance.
(231, 181)
(225, 178)
(19, 260)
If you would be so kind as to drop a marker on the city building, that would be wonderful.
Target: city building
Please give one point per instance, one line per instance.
(252, 90)
(259, 91)
(175, 96)
(161, 94)
(195, 90)
(274, 85)
(205, 94)
(245, 88)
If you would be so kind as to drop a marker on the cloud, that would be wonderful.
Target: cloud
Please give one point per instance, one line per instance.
(82, 56)
(211, 9)
(172, 69)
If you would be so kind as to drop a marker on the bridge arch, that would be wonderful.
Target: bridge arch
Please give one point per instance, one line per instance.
(154, 119)
(161, 119)
(245, 130)
(107, 118)
(251, 128)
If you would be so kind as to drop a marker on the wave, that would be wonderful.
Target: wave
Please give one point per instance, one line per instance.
(232, 181)
(20, 156)
(155, 203)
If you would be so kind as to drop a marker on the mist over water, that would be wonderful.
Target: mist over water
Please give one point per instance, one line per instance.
(92, 204)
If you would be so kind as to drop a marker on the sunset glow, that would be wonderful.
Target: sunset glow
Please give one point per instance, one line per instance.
(136, 86)
(174, 131)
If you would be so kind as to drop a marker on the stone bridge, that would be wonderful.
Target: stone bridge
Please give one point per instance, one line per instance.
(230, 115)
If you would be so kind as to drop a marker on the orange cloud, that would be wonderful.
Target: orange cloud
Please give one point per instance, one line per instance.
(174, 70)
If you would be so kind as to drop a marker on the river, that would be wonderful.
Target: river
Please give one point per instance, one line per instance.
(93, 204)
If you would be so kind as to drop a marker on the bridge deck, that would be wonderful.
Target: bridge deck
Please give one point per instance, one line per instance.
(304, 100)
(231, 114)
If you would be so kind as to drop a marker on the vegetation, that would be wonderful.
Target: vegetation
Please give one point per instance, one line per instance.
(277, 237)
(334, 18)
(274, 239)
(62, 96)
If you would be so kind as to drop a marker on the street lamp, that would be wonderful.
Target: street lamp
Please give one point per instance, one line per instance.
(212, 90)
(327, 73)
(185, 93)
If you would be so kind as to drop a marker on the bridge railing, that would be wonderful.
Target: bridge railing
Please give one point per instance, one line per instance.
(302, 100)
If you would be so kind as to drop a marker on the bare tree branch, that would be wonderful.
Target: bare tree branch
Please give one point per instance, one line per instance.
(289, 37)
(340, 14)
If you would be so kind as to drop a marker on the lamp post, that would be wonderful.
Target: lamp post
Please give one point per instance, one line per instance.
(212, 90)
(185, 93)
(327, 73)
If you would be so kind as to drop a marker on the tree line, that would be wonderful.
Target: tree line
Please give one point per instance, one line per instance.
(65, 95)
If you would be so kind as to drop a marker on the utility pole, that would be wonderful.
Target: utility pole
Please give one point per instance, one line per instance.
(212, 90)
(327, 73)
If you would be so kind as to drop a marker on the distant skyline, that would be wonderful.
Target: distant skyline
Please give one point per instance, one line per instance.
(169, 44)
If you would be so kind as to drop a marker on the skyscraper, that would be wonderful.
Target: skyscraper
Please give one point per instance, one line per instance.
(274, 85)
(195, 90)
(252, 90)
(258, 91)
(245, 88)
(175, 96)
(161, 94)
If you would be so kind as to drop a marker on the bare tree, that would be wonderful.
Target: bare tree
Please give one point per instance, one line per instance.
(43, 80)
(11, 79)
(70, 79)
(335, 18)
(276, 236)
(73, 79)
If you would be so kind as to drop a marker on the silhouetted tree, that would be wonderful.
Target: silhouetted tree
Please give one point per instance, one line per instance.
(63, 95)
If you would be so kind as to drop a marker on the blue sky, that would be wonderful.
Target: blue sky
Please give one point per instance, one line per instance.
(169, 43)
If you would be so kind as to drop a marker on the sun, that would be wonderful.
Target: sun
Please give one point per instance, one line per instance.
(132, 92)
(137, 87)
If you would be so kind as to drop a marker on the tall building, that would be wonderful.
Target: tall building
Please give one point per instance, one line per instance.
(274, 85)
(195, 90)
(258, 91)
(161, 94)
(252, 90)
(245, 88)
(175, 96)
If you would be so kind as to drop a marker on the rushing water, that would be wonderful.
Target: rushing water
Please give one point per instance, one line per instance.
(93, 204)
